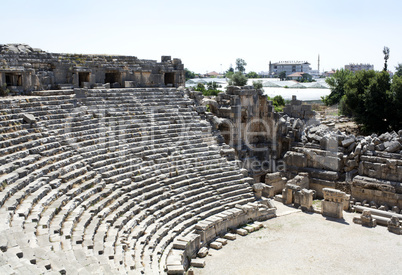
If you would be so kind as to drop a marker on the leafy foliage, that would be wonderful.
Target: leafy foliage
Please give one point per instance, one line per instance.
(398, 70)
(395, 113)
(278, 100)
(211, 91)
(213, 85)
(282, 75)
(257, 84)
(252, 75)
(374, 101)
(229, 72)
(337, 84)
(241, 65)
(278, 103)
(238, 79)
(188, 74)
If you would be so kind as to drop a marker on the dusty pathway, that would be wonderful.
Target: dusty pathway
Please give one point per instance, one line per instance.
(300, 243)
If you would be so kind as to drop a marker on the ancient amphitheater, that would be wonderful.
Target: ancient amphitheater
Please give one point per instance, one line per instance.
(108, 165)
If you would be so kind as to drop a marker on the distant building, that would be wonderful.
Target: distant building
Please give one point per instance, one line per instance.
(329, 73)
(289, 67)
(359, 67)
(212, 74)
(315, 73)
(299, 76)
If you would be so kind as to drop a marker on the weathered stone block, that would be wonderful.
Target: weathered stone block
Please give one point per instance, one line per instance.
(215, 245)
(332, 209)
(28, 118)
(222, 241)
(242, 232)
(198, 262)
(230, 236)
(203, 252)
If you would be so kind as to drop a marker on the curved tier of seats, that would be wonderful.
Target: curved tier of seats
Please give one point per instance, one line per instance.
(105, 181)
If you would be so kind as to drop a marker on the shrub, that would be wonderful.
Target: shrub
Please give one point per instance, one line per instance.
(238, 79)
(257, 84)
(278, 100)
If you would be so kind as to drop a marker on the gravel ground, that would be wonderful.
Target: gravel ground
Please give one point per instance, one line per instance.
(302, 243)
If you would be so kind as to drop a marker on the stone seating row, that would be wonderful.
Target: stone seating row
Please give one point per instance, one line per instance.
(101, 202)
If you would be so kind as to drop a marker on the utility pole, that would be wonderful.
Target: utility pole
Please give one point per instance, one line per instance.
(318, 64)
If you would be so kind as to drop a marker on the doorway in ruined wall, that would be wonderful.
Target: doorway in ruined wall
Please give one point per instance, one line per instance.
(83, 77)
(112, 77)
(169, 79)
(13, 79)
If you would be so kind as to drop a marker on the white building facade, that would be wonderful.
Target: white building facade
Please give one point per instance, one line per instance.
(289, 67)
(359, 67)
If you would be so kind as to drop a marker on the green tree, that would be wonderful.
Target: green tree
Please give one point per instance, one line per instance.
(252, 75)
(395, 113)
(188, 74)
(241, 65)
(213, 85)
(398, 70)
(369, 99)
(377, 100)
(238, 79)
(229, 72)
(210, 91)
(257, 84)
(355, 89)
(200, 87)
(337, 84)
(278, 101)
(385, 51)
(282, 75)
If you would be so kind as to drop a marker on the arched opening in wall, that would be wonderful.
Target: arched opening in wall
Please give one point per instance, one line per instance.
(169, 79)
(114, 78)
(262, 178)
(83, 77)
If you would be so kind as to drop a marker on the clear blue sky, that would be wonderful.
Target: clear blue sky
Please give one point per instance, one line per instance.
(206, 34)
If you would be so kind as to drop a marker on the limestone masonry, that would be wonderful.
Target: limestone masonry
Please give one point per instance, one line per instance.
(24, 69)
(108, 166)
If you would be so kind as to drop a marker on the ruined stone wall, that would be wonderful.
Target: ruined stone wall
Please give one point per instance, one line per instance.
(245, 120)
(369, 168)
(298, 110)
(24, 69)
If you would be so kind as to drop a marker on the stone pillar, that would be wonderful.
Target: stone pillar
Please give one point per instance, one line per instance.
(332, 205)
(258, 187)
(287, 196)
(2, 79)
(306, 201)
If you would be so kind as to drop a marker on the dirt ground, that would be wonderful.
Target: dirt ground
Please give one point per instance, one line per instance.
(330, 115)
(302, 243)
